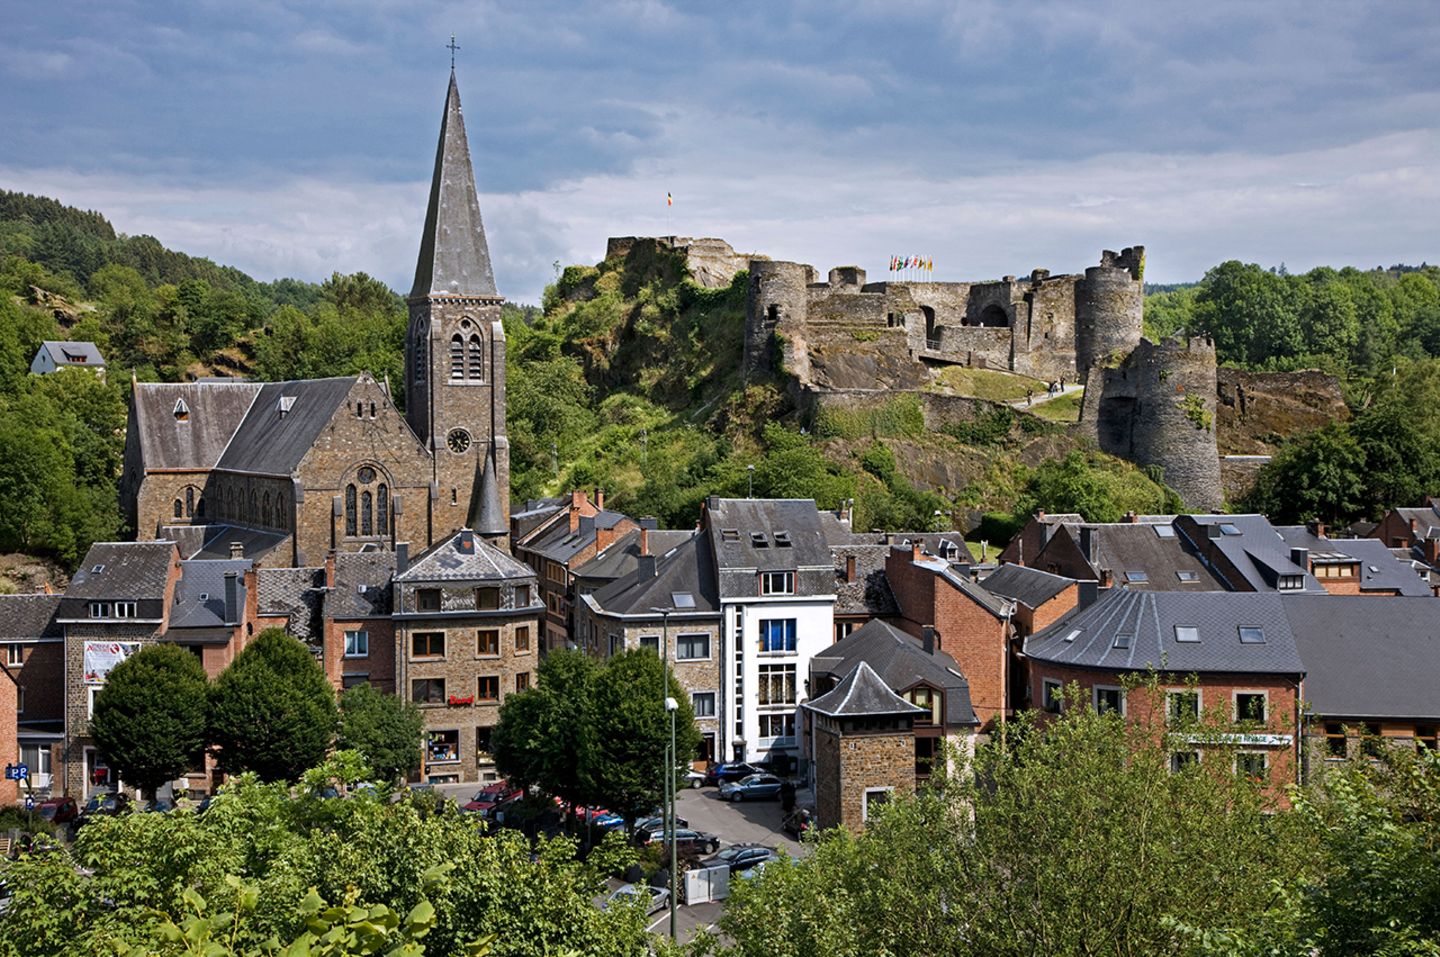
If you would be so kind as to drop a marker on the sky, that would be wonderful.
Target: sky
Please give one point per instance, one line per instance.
(297, 138)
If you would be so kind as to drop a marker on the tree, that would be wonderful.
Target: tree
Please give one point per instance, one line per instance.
(384, 728)
(631, 730)
(149, 718)
(1319, 475)
(1101, 489)
(1249, 312)
(272, 711)
(545, 735)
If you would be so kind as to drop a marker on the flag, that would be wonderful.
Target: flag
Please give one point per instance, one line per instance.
(669, 200)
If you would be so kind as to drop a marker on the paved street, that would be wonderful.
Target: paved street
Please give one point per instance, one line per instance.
(750, 822)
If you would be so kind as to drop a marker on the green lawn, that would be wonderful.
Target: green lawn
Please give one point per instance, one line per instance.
(1064, 409)
(986, 384)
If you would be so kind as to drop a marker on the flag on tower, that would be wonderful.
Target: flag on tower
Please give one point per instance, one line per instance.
(669, 200)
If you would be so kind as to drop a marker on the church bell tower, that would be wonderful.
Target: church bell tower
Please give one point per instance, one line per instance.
(455, 349)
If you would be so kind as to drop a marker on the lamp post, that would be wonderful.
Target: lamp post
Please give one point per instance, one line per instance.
(672, 706)
(750, 481)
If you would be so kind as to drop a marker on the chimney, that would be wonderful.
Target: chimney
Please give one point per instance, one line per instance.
(927, 639)
(467, 541)
(402, 557)
(1318, 528)
(1212, 531)
(1414, 526)
(849, 568)
(1107, 579)
(1087, 543)
(1432, 551)
(237, 550)
(1301, 557)
(1132, 518)
(647, 566)
(232, 598)
(47, 589)
(1089, 591)
(599, 498)
(330, 569)
(644, 540)
(1039, 515)
(917, 551)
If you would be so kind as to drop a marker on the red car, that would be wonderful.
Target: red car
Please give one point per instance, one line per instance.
(58, 810)
(489, 796)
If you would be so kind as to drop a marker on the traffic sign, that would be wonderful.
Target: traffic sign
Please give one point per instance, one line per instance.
(29, 802)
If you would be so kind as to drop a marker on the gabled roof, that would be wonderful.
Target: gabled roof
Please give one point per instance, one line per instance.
(68, 353)
(901, 663)
(295, 593)
(29, 616)
(1251, 544)
(687, 569)
(860, 694)
(869, 593)
(186, 425)
(256, 542)
(1029, 586)
(789, 528)
(199, 600)
(560, 544)
(454, 258)
(1145, 623)
(959, 579)
(452, 559)
(1379, 568)
(623, 555)
(362, 585)
(1147, 554)
(1369, 656)
(283, 424)
(125, 571)
(1426, 519)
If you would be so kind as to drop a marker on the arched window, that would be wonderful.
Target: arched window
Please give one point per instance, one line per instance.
(359, 410)
(265, 512)
(200, 507)
(350, 525)
(372, 410)
(457, 357)
(252, 517)
(382, 509)
(420, 359)
(367, 514)
(179, 508)
(229, 502)
(189, 501)
(476, 357)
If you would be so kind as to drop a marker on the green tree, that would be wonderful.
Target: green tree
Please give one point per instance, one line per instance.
(384, 728)
(1100, 489)
(272, 711)
(1250, 313)
(1401, 445)
(545, 735)
(149, 718)
(1320, 475)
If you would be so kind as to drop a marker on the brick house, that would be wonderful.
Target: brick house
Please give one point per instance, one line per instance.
(1352, 566)
(1415, 529)
(1039, 596)
(32, 652)
(1239, 648)
(358, 627)
(971, 625)
(467, 619)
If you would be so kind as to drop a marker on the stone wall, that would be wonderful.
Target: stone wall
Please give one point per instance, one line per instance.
(1258, 410)
(712, 262)
(848, 765)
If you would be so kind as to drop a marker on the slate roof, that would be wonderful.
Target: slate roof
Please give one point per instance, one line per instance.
(257, 542)
(1122, 547)
(487, 516)
(861, 693)
(1426, 517)
(454, 258)
(1379, 569)
(273, 443)
(901, 663)
(295, 593)
(29, 616)
(1029, 586)
(623, 555)
(869, 593)
(200, 593)
(216, 410)
(127, 570)
(86, 354)
(363, 586)
(1258, 551)
(1150, 619)
(560, 544)
(687, 568)
(1369, 656)
(767, 516)
(959, 579)
(448, 560)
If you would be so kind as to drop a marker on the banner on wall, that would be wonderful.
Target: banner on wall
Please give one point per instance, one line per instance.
(101, 656)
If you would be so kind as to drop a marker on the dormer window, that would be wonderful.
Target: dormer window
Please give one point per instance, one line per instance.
(182, 411)
(729, 535)
(758, 540)
(1291, 583)
(777, 583)
(782, 540)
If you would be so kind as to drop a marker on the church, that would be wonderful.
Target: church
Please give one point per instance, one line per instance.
(284, 473)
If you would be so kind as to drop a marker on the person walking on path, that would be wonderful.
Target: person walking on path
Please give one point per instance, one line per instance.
(1029, 396)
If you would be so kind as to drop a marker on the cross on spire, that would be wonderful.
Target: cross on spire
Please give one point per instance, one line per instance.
(452, 46)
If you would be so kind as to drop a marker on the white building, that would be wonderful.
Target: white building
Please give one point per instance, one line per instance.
(66, 355)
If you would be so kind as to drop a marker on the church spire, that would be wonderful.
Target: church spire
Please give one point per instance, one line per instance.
(454, 259)
(487, 515)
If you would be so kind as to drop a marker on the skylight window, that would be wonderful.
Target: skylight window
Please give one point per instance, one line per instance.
(758, 540)
(1122, 641)
(782, 539)
(1185, 576)
(1073, 635)
(1252, 635)
(682, 599)
(97, 569)
(1137, 576)
(1164, 531)
(1187, 633)
(729, 535)
(1228, 528)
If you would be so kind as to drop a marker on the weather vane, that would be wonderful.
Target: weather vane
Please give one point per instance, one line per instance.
(452, 46)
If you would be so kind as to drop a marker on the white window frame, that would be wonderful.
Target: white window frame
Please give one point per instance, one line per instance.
(93, 691)
(362, 636)
(99, 609)
(1095, 697)
(126, 609)
(709, 642)
(15, 655)
(1045, 685)
(1199, 701)
(1199, 757)
(766, 672)
(770, 586)
(785, 717)
(1264, 762)
(703, 694)
(1235, 703)
(865, 800)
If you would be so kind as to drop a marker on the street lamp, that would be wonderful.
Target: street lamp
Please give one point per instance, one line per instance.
(672, 706)
(750, 482)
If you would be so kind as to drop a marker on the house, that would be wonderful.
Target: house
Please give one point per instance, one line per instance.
(1247, 554)
(1352, 566)
(52, 356)
(1034, 535)
(1416, 530)
(1039, 596)
(467, 626)
(32, 652)
(1146, 553)
(915, 670)
(621, 558)
(358, 640)
(862, 593)
(1231, 655)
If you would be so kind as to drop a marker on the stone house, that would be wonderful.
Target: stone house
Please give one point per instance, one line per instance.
(467, 619)
(862, 593)
(32, 652)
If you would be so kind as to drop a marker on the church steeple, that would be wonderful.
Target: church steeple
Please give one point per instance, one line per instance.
(454, 258)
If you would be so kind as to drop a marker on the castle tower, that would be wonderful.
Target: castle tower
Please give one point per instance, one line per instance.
(455, 349)
(1109, 308)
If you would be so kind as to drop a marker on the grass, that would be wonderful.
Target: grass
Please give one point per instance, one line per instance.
(1064, 409)
(986, 384)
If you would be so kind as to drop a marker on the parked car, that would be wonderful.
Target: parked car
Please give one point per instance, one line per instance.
(608, 822)
(657, 823)
(103, 804)
(686, 840)
(654, 897)
(798, 822)
(741, 857)
(755, 786)
(752, 872)
(722, 773)
(485, 799)
(695, 779)
(58, 810)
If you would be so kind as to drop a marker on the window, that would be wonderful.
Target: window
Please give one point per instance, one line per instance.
(522, 639)
(522, 681)
(1122, 641)
(777, 635)
(522, 596)
(457, 357)
(777, 726)
(1109, 699)
(367, 513)
(1185, 576)
(99, 609)
(487, 599)
(1250, 706)
(1137, 577)
(1371, 744)
(1051, 696)
(1164, 531)
(704, 704)
(92, 693)
(1180, 760)
(758, 540)
(427, 690)
(1426, 738)
(1187, 633)
(482, 744)
(125, 609)
(777, 583)
(692, 647)
(650, 643)
(475, 358)
(179, 508)
(1252, 764)
(444, 746)
(843, 629)
(427, 644)
(357, 644)
(487, 688)
(1229, 528)
(1182, 706)
(1071, 635)
(487, 642)
(351, 525)
(927, 698)
(352, 681)
(382, 509)
(15, 655)
(427, 599)
(1335, 740)
(555, 572)
(875, 798)
(1291, 583)
(777, 685)
(19, 699)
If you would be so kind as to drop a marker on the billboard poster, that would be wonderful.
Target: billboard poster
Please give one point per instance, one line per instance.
(101, 656)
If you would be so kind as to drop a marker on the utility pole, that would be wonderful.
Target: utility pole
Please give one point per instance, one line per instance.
(672, 706)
